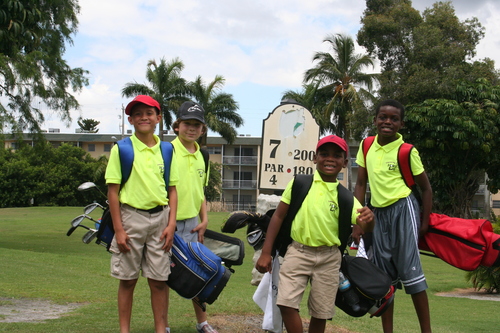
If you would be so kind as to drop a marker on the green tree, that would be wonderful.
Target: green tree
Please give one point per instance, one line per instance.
(165, 85)
(458, 140)
(422, 57)
(88, 125)
(214, 188)
(220, 108)
(33, 39)
(343, 87)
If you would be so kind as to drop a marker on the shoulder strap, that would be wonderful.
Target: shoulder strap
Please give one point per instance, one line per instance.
(346, 202)
(166, 152)
(404, 158)
(367, 143)
(206, 158)
(126, 153)
(300, 188)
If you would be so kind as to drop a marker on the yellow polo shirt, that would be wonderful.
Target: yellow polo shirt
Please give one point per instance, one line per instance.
(190, 189)
(386, 183)
(145, 188)
(317, 221)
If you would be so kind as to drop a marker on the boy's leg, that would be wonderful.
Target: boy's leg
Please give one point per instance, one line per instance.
(167, 295)
(201, 315)
(291, 318)
(387, 319)
(421, 304)
(158, 303)
(317, 325)
(125, 299)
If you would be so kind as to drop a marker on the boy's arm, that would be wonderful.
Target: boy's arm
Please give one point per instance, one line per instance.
(425, 186)
(264, 264)
(114, 208)
(203, 225)
(360, 188)
(168, 233)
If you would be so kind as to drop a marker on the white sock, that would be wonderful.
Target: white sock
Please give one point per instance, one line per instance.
(200, 325)
(167, 329)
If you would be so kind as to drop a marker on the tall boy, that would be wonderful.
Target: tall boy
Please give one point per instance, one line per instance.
(192, 218)
(313, 257)
(397, 222)
(143, 216)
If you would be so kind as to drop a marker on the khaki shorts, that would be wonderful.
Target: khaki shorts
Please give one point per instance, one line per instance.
(146, 253)
(318, 265)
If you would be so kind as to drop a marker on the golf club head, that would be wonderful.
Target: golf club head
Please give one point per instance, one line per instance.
(86, 186)
(90, 208)
(70, 231)
(89, 236)
(77, 220)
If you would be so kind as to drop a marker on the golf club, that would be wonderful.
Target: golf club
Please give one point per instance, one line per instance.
(90, 208)
(89, 236)
(89, 185)
(70, 231)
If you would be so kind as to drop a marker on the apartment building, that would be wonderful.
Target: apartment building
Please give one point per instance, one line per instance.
(240, 166)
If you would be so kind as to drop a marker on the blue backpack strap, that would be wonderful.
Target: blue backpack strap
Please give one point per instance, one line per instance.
(166, 152)
(126, 153)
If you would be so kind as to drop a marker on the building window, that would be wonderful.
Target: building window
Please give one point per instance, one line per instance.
(340, 176)
(243, 151)
(91, 147)
(214, 150)
(107, 147)
(496, 203)
(14, 145)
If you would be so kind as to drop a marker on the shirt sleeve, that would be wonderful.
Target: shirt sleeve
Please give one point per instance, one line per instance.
(113, 173)
(360, 158)
(416, 162)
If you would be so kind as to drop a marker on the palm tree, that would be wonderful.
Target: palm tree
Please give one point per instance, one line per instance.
(341, 82)
(166, 86)
(220, 108)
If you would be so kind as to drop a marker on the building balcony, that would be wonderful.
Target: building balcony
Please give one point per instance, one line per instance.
(239, 184)
(239, 160)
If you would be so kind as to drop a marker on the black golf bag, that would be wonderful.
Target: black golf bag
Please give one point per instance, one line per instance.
(371, 285)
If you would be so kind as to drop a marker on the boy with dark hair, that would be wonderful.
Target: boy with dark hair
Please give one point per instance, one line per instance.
(397, 215)
(192, 217)
(143, 212)
(313, 256)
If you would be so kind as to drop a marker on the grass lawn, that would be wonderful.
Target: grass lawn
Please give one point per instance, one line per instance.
(38, 261)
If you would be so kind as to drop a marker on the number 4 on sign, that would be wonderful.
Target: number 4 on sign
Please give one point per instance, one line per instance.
(273, 180)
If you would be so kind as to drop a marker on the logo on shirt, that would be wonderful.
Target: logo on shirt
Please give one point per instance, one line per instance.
(333, 206)
(201, 172)
(162, 168)
(391, 166)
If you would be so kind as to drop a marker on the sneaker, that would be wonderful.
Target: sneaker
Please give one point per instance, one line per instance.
(206, 329)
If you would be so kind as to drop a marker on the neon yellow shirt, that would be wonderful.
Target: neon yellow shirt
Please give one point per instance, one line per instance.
(145, 188)
(317, 221)
(190, 188)
(386, 183)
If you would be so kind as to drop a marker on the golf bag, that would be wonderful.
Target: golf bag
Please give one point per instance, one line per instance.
(196, 271)
(230, 249)
(371, 286)
(462, 243)
(105, 231)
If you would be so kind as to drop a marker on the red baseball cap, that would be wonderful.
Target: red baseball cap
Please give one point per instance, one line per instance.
(333, 139)
(144, 99)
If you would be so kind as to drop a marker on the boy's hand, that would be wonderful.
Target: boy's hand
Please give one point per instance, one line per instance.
(168, 235)
(200, 228)
(264, 264)
(365, 216)
(122, 240)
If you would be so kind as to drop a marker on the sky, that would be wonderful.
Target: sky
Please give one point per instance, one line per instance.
(262, 48)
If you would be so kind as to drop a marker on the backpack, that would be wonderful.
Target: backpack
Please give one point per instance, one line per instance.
(404, 163)
(300, 188)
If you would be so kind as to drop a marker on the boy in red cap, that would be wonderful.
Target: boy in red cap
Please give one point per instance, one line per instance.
(313, 256)
(143, 212)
